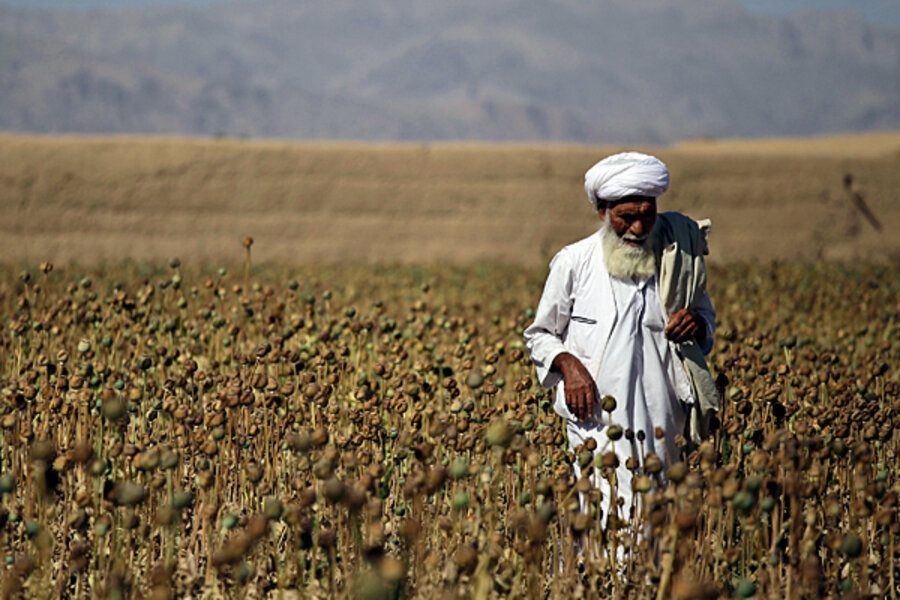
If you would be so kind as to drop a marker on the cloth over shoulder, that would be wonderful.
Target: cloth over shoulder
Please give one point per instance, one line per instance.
(682, 283)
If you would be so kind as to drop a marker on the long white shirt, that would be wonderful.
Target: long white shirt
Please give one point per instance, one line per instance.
(616, 329)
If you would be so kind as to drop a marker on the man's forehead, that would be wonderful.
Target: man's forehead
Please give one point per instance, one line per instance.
(633, 204)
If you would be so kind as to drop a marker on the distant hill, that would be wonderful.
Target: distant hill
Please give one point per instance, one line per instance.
(564, 70)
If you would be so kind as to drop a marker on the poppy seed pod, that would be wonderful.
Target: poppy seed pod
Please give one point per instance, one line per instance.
(677, 472)
(272, 508)
(608, 404)
(652, 463)
(851, 546)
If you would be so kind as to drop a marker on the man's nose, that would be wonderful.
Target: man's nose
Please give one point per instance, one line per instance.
(637, 228)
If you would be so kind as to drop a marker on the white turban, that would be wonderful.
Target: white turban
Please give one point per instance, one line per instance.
(626, 174)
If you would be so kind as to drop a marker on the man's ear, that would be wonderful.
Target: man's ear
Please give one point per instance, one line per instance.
(601, 212)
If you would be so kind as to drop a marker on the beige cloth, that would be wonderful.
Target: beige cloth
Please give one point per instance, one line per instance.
(682, 283)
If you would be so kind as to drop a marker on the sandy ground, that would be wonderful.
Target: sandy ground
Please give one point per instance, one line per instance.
(87, 199)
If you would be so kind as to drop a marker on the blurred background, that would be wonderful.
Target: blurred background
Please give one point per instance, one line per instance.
(253, 82)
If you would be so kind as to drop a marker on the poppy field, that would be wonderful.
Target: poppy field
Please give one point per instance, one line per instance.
(363, 431)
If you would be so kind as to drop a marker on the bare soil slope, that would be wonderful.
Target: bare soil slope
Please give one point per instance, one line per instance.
(86, 199)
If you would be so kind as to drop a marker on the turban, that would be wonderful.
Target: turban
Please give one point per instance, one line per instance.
(626, 174)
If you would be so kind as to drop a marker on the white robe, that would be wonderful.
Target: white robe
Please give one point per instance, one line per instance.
(615, 328)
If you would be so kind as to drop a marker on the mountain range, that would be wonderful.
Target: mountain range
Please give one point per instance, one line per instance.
(589, 71)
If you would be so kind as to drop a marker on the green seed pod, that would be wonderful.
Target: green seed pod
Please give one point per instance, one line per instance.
(546, 511)
(608, 404)
(743, 501)
(459, 469)
(7, 483)
(499, 434)
(584, 459)
(84, 346)
(460, 500)
(128, 493)
(614, 432)
(32, 528)
(475, 379)
(114, 409)
(753, 484)
(229, 521)
(182, 499)
(851, 545)
(745, 588)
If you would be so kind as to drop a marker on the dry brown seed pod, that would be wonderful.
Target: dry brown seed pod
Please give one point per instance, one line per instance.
(81, 453)
(642, 484)
(253, 472)
(272, 508)
(334, 490)
(204, 479)
(677, 472)
(686, 587)
(731, 487)
(319, 437)
(327, 537)
(409, 530)
(307, 496)
(392, 570)
(43, 450)
(580, 522)
(686, 519)
(652, 463)
(610, 460)
(466, 558)
(166, 515)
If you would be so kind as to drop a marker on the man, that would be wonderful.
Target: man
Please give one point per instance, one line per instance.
(625, 313)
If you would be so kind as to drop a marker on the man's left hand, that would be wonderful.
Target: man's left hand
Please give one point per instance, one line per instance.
(684, 325)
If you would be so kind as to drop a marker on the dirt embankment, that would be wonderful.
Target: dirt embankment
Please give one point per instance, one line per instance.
(88, 199)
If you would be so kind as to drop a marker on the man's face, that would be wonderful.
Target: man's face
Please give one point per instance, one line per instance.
(632, 218)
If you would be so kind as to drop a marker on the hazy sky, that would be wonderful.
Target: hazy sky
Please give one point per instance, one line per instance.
(879, 11)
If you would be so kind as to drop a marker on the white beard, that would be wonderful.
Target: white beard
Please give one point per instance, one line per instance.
(625, 261)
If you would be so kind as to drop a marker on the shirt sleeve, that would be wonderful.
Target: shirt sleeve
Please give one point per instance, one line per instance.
(551, 320)
(708, 314)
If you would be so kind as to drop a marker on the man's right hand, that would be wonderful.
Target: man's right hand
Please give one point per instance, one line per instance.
(581, 395)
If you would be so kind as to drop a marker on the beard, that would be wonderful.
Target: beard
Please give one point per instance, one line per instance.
(625, 261)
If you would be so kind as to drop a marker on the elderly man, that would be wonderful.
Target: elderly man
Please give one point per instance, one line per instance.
(625, 313)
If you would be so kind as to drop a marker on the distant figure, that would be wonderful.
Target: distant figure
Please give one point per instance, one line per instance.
(859, 201)
(625, 313)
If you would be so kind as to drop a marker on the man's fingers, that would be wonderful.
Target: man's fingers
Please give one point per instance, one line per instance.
(573, 399)
(682, 326)
(580, 402)
(676, 320)
(682, 330)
